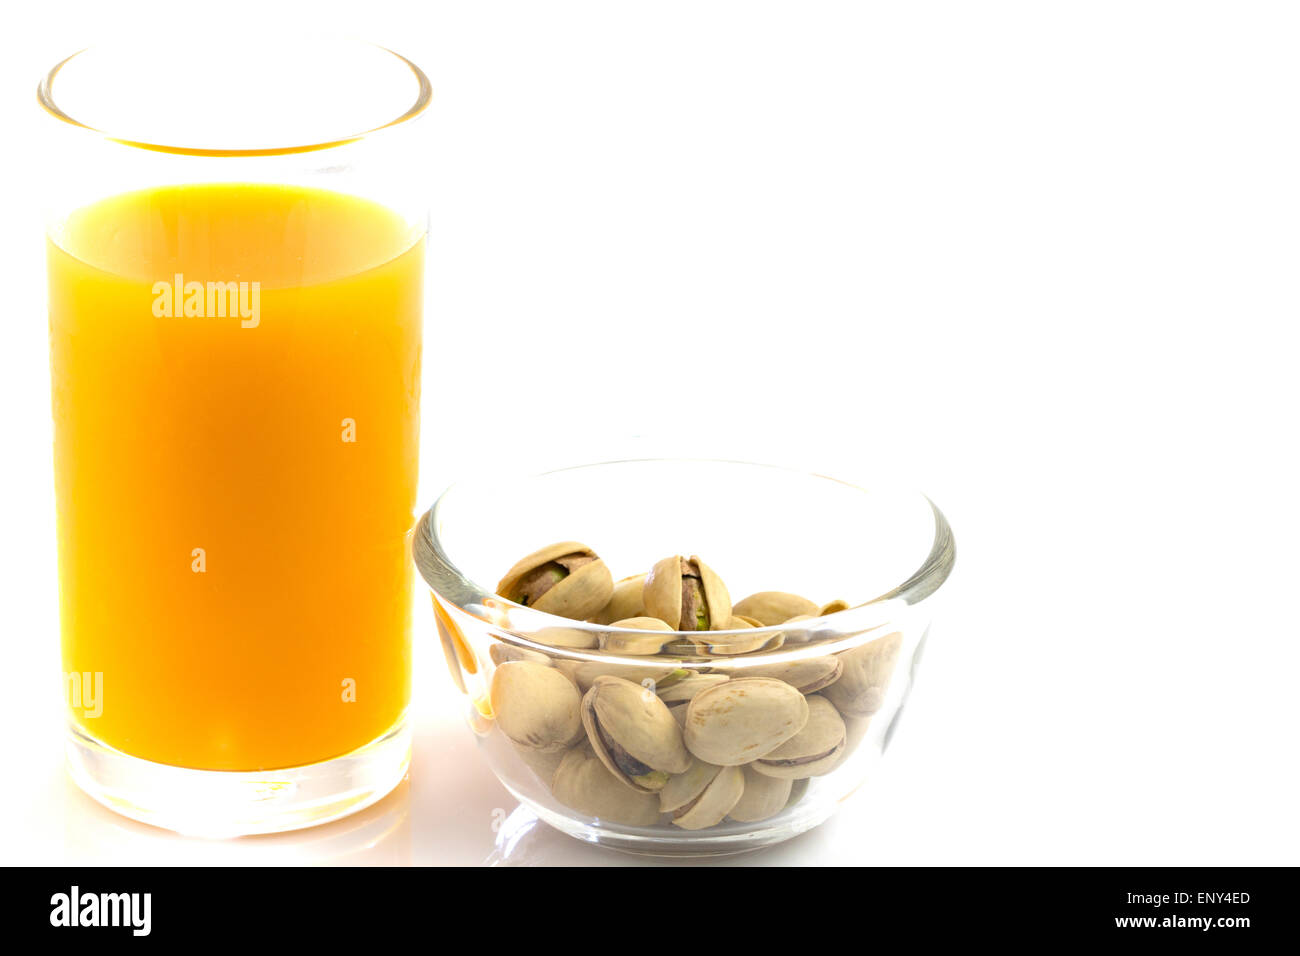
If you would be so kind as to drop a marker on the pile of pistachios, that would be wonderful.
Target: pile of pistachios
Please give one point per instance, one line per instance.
(647, 743)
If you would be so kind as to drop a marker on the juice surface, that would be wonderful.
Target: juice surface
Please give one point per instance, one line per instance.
(234, 494)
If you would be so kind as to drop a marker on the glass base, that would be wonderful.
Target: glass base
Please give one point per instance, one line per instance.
(223, 803)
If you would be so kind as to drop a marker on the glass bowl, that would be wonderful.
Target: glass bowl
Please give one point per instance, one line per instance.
(646, 741)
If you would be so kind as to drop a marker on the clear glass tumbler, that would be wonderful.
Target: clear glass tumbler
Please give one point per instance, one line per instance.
(236, 243)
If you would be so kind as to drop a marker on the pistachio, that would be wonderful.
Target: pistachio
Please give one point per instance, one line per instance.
(807, 675)
(567, 579)
(686, 595)
(797, 791)
(574, 637)
(503, 653)
(763, 797)
(714, 802)
(652, 642)
(813, 751)
(683, 690)
(770, 608)
(653, 675)
(627, 601)
(633, 733)
(733, 644)
(860, 689)
(536, 706)
(683, 788)
(833, 607)
(583, 783)
(743, 719)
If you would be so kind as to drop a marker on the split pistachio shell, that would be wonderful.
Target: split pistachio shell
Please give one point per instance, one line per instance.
(633, 733)
(807, 675)
(743, 719)
(584, 783)
(763, 797)
(813, 751)
(567, 579)
(770, 608)
(655, 676)
(682, 788)
(686, 594)
(735, 644)
(834, 607)
(536, 706)
(686, 688)
(714, 802)
(652, 642)
(627, 601)
(860, 690)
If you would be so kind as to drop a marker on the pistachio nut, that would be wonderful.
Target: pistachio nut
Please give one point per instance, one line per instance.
(627, 601)
(657, 635)
(800, 634)
(583, 783)
(743, 719)
(813, 751)
(833, 607)
(770, 608)
(633, 733)
(686, 594)
(567, 579)
(656, 676)
(683, 690)
(861, 687)
(734, 644)
(536, 706)
(797, 791)
(574, 637)
(806, 675)
(714, 802)
(682, 788)
(763, 797)
(503, 653)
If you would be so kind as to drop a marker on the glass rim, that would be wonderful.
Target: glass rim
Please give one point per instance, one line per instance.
(45, 96)
(849, 624)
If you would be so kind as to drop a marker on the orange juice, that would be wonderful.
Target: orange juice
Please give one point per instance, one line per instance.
(236, 472)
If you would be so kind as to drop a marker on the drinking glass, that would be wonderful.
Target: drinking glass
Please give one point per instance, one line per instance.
(236, 237)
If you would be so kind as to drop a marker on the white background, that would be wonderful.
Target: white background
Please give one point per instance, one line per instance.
(1037, 258)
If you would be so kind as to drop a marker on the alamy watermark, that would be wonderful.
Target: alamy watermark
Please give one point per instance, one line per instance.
(208, 300)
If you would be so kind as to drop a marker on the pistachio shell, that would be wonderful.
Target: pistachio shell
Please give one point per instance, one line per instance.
(861, 687)
(503, 653)
(807, 675)
(813, 751)
(567, 637)
(659, 676)
(583, 783)
(686, 688)
(577, 594)
(542, 764)
(763, 797)
(627, 601)
(801, 634)
(743, 719)
(833, 607)
(663, 594)
(633, 733)
(770, 608)
(797, 791)
(536, 706)
(682, 788)
(652, 642)
(718, 799)
(732, 644)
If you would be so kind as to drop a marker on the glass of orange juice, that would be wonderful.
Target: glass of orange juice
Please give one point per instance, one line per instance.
(236, 254)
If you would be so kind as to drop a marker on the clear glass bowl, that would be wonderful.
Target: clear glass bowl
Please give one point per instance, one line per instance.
(882, 552)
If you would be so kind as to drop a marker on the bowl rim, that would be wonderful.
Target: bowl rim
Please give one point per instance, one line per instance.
(869, 615)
